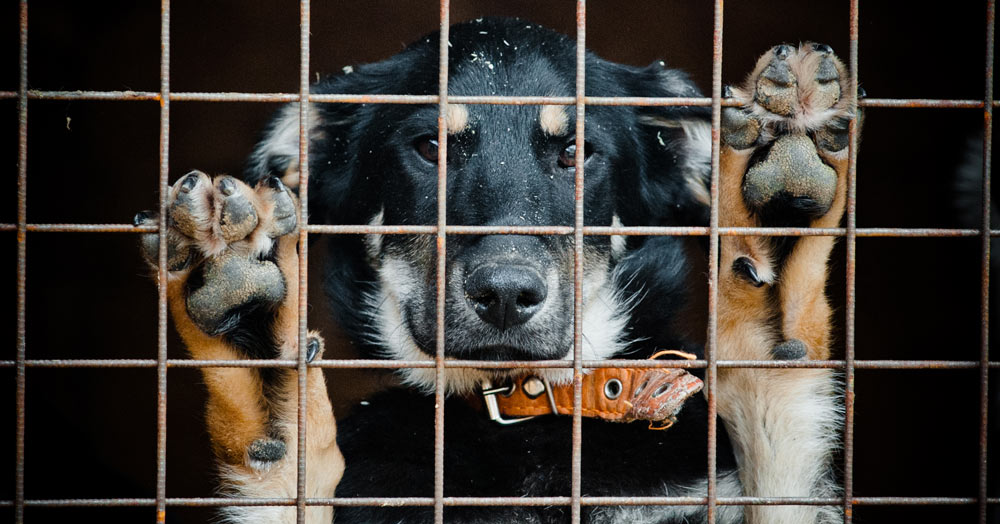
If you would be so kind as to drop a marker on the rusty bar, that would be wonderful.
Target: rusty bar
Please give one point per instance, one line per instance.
(921, 103)
(869, 232)
(498, 364)
(234, 97)
(161, 268)
(711, 345)
(128, 95)
(984, 356)
(442, 220)
(576, 461)
(852, 183)
(22, 261)
(497, 501)
(302, 375)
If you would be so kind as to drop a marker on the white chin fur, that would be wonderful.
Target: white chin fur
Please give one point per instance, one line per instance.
(604, 321)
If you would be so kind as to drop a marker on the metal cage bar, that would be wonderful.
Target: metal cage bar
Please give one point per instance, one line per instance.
(576, 460)
(22, 261)
(575, 499)
(712, 365)
(161, 267)
(851, 241)
(984, 362)
(303, 269)
(444, 17)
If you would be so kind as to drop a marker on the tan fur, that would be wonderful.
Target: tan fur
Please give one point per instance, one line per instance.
(553, 120)
(803, 297)
(783, 422)
(237, 411)
(234, 414)
(733, 212)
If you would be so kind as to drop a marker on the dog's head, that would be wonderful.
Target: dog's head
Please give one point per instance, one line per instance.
(507, 297)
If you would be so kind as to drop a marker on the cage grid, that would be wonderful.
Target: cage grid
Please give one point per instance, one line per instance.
(575, 500)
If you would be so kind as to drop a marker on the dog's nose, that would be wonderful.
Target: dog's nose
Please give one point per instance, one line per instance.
(505, 295)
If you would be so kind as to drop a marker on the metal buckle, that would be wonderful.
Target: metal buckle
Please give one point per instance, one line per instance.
(493, 409)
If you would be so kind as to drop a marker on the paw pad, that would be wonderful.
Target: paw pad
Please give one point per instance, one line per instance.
(791, 168)
(231, 282)
(265, 451)
(226, 230)
(792, 349)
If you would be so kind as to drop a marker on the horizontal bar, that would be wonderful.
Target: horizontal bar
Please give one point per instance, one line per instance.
(873, 232)
(493, 364)
(35, 94)
(500, 501)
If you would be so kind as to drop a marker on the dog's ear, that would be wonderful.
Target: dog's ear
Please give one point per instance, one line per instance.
(678, 145)
(335, 131)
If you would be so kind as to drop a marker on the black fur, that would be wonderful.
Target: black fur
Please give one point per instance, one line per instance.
(363, 159)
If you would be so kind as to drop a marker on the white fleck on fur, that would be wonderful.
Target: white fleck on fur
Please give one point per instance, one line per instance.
(727, 485)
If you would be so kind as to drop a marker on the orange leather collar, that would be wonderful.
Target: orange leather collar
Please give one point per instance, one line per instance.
(655, 395)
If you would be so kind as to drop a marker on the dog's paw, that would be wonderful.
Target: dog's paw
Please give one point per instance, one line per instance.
(794, 115)
(222, 239)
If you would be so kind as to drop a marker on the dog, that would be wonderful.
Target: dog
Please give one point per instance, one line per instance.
(233, 289)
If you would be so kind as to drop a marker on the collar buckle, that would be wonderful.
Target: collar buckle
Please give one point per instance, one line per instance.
(489, 394)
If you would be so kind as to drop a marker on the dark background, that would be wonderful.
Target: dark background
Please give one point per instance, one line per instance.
(92, 432)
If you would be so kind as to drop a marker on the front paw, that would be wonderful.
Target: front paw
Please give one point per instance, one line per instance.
(222, 239)
(794, 118)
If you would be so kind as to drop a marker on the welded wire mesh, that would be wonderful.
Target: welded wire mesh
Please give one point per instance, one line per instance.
(574, 499)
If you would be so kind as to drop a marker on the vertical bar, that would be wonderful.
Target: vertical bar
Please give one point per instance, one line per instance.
(440, 386)
(579, 159)
(161, 269)
(852, 171)
(300, 491)
(22, 260)
(712, 371)
(984, 356)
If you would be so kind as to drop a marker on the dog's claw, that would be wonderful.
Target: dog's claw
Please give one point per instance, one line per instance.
(189, 183)
(783, 51)
(745, 268)
(312, 349)
(141, 217)
(226, 186)
(822, 48)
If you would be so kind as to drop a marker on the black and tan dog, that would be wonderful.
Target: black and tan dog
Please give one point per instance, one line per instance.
(233, 285)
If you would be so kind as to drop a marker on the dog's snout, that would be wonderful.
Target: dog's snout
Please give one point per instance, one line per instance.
(505, 295)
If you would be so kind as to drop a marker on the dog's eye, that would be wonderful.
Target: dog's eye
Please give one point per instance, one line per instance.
(567, 158)
(428, 148)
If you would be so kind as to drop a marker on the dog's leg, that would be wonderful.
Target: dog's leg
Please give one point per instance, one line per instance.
(783, 163)
(233, 294)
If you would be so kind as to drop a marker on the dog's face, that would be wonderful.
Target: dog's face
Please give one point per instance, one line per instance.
(507, 297)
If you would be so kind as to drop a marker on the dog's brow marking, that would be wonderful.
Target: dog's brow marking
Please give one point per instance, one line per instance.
(553, 120)
(457, 118)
